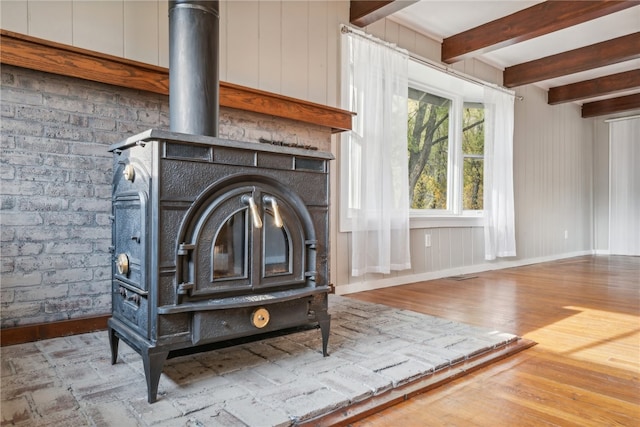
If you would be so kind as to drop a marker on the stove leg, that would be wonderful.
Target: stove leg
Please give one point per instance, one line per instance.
(324, 320)
(113, 343)
(153, 363)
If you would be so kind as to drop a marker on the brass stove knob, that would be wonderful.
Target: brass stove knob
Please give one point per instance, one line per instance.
(260, 318)
(129, 172)
(122, 264)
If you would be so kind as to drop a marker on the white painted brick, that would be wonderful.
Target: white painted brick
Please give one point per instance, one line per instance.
(40, 173)
(39, 114)
(40, 203)
(22, 248)
(67, 305)
(90, 233)
(7, 172)
(21, 218)
(67, 276)
(7, 110)
(68, 104)
(14, 311)
(68, 247)
(23, 187)
(69, 218)
(21, 96)
(41, 234)
(19, 127)
(90, 205)
(7, 296)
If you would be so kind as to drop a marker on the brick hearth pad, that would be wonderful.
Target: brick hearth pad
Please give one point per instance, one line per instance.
(377, 354)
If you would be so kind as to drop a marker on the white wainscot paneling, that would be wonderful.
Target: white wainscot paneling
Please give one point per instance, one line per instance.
(163, 33)
(242, 45)
(317, 52)
(13, 16)
(51, 20)
(295, 36)
(98, 25)
(418, 250)
(270, 46)
(141, 42)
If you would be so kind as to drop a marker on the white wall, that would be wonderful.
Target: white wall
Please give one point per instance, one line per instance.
(292, 48)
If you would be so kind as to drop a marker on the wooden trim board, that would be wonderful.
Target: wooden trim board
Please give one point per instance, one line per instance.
(43, 331)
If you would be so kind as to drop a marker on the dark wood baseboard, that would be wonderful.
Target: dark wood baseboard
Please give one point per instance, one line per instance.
(43, 331)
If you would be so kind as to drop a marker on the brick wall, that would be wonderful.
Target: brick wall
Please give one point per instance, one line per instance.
(55, 185)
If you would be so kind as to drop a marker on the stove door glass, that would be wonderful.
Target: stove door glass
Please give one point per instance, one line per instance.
(229, 248)
(276, 247)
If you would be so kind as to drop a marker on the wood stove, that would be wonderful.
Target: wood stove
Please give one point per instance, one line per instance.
(213, 240)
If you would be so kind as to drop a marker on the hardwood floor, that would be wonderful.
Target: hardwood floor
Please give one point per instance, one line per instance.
(583, 312)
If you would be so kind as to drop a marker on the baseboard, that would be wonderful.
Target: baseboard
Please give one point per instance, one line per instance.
(43, 331)
(368, 285)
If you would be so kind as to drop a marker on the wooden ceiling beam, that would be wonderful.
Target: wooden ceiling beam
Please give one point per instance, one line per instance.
(611, 106)
(625, 48)
(535, 21)
(594, 87)
(365, 12)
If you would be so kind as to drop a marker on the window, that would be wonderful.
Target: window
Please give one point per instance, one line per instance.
(445, 151)
(472, 156)
(445, 142)
(428, 143)
(443, 119)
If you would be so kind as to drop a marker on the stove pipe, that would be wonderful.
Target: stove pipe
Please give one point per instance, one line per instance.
(193, 66)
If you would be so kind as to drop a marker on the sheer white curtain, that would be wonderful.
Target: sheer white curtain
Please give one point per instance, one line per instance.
(624, 187)
(376, 152)
(499, 229)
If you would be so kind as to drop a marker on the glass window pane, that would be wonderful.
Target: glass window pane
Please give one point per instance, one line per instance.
(473, 129)
(276, 247)
(230, 248)
(428, 149)
(473, 184)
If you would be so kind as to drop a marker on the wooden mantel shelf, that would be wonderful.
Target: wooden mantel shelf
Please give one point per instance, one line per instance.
(43, 55)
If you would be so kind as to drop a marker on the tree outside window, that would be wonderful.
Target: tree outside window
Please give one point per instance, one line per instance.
(432, 148)
(473, 156)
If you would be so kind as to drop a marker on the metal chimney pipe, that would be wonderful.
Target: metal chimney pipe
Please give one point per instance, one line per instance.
(193, 66)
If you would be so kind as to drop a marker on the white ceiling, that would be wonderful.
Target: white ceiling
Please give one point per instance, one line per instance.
(441, 19)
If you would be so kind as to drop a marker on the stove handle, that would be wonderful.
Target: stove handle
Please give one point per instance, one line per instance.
(277, 219)
(255, 215)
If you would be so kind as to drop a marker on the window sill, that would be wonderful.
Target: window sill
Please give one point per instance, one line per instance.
(434, 221)
(446, 221)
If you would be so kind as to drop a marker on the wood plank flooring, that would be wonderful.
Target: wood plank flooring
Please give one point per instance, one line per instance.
(583, 312)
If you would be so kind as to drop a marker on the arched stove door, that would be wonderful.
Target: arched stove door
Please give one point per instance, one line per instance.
(247, 238)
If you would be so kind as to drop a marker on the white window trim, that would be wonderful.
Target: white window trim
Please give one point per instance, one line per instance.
(459, 91)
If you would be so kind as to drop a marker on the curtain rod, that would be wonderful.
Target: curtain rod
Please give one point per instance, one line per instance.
(346, 29)
(622, 118)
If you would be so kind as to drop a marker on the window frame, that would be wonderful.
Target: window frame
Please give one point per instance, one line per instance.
(427, 79)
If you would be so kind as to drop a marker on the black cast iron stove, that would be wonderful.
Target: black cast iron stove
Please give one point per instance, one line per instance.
(213, 240)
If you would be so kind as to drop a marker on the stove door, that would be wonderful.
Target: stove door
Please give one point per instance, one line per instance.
(245, 240)
(129, 238)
